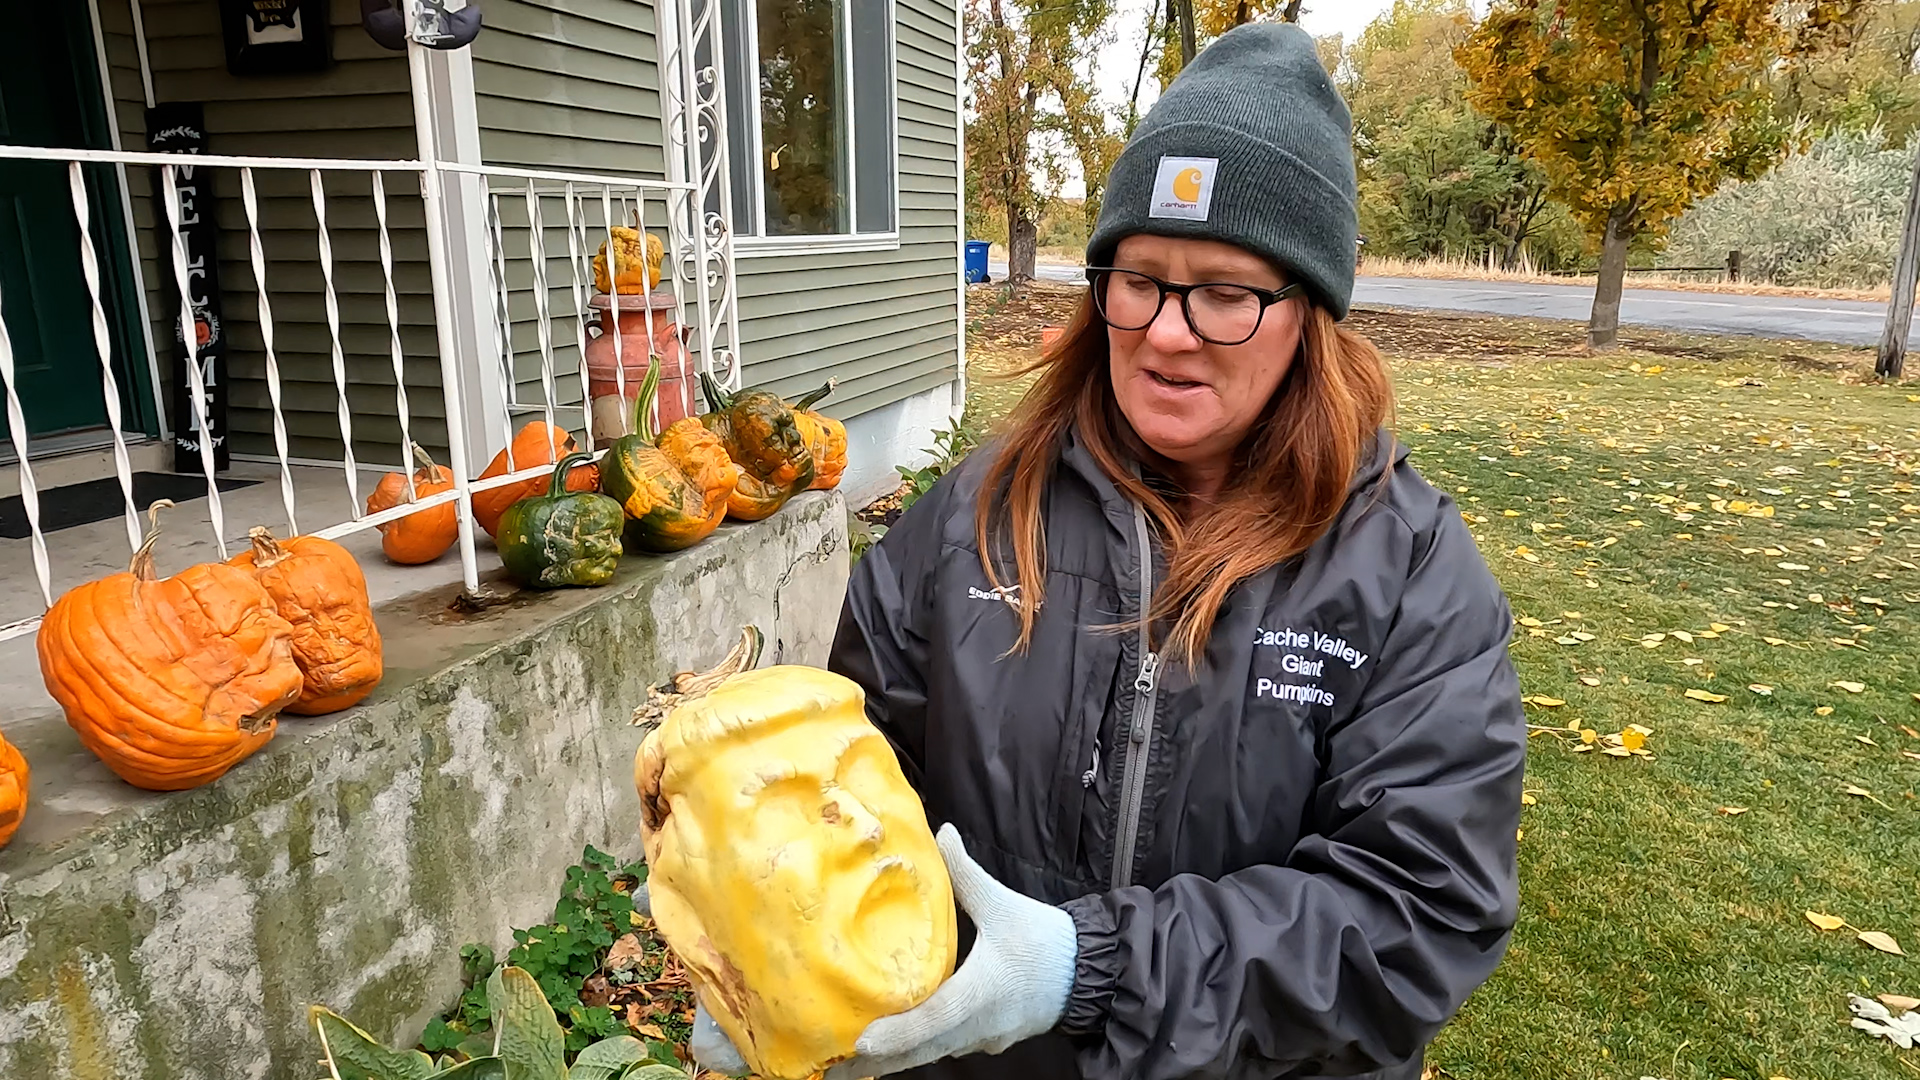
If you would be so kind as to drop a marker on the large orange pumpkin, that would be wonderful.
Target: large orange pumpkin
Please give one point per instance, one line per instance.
(539, 443)
(317, 587)
(13, 790)
(423, 535)
(170, 682)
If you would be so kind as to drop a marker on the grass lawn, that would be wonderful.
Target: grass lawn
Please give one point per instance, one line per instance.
(1738, 519)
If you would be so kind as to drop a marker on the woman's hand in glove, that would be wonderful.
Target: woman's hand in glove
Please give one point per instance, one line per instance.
(1013, 985)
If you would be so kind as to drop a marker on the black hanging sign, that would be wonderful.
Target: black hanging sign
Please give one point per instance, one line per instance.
(178, 128)
(269, 37)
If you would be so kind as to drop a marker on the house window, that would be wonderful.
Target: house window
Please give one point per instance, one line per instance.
(810, 116)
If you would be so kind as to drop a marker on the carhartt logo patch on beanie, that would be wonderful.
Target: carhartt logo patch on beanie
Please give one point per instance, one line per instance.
(1253, 146)
(1184, 188)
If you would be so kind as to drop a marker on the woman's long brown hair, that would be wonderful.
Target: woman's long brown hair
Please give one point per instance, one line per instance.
(1290, 481)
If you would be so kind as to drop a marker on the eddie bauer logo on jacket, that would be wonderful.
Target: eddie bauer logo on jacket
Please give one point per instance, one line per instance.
(1006, 594)
(1331, 648)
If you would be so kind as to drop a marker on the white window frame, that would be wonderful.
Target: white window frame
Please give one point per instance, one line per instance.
(758, 245)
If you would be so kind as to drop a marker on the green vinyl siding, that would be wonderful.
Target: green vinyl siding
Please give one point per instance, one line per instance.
(884, 323)
(360, 108)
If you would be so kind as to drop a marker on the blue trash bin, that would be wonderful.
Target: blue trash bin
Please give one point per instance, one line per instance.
(977, 261)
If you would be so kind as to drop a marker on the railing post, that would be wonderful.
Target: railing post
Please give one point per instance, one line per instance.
(433, 194)
(1733, 266)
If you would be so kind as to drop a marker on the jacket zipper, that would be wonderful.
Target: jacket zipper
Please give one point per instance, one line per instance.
(1140, 729)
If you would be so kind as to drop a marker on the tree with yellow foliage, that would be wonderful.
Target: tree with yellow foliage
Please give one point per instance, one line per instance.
(1635, 108)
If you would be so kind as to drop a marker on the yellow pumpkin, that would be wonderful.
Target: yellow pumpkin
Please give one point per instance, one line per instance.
(636, 269)
(791, 866)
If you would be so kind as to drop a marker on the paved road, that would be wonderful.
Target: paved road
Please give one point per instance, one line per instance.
(1851, 322)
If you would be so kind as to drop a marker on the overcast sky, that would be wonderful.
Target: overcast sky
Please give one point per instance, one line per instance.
(1120, 60)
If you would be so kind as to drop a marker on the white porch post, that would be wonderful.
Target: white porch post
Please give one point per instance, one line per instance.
(454, 130)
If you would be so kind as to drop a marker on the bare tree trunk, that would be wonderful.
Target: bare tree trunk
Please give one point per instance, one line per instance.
(1139, 76)
(1292, 14)
(1189, 42)
(1603, 328)
(1906, 274)
(1023, 242)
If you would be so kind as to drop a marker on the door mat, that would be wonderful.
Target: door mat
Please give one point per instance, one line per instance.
(97, 500)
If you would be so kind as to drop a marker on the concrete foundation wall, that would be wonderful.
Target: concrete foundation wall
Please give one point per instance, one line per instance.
(166, 937)
(896, 434)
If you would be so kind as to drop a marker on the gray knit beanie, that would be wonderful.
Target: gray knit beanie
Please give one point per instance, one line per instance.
(1251, 145)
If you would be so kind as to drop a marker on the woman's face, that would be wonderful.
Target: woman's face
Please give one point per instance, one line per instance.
(1189, 400)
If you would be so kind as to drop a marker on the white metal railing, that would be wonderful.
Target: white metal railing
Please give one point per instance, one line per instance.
(537, 222)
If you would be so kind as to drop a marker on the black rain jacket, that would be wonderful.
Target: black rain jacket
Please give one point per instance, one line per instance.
(1298, 861)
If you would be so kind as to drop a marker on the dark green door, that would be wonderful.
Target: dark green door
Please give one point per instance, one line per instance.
(42, 291)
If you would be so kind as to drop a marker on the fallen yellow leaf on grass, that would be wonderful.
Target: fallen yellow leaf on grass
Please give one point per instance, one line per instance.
(1526, 799)
(1881, 941)
(1733, 811)
(1632, 740)
(1531, 621)
(1774, 640)
(1719, 628)
(1588, 735)
(1850, 687)
(1707, 696)
(1824, 921)
(1762, 689)
(1543, 701)
(1589, 680)
(1683, 636)
(1824, 710)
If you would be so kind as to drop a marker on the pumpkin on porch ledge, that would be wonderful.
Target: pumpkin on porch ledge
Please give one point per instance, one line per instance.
(169, 681)
(423, 535)
(14, 776)
(318, 588)
(764, 438)
(562, 538)
(673, 487)
(538, 443)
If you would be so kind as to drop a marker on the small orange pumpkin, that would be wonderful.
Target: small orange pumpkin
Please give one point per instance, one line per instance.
(825, 436)
(170, 682)
(317, 587)
(423, 535)
(539, 443)
(14, 775)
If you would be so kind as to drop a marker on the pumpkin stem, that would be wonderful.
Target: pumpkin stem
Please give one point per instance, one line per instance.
(688, 685)
(426, 470)
(559, 485)
(142, 565)
(816, 397)
(643, 404)
(266, 550)
(716, 398)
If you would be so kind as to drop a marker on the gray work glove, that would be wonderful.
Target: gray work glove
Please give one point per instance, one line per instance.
(1013, 985)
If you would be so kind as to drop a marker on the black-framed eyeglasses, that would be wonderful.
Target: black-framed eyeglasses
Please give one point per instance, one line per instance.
(1223, 313)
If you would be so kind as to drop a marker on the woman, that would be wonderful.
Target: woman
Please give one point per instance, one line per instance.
(1245, 807)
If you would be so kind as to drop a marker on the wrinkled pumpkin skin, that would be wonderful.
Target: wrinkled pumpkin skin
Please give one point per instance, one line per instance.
(636, 270)
(761, 436)
(563, 538)
(14, 777)
(791, 867)
(538, 443)
(825, 437)
(170, 682)
(674, 488)
(423, 535)
(752, 500)
(318, 587)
